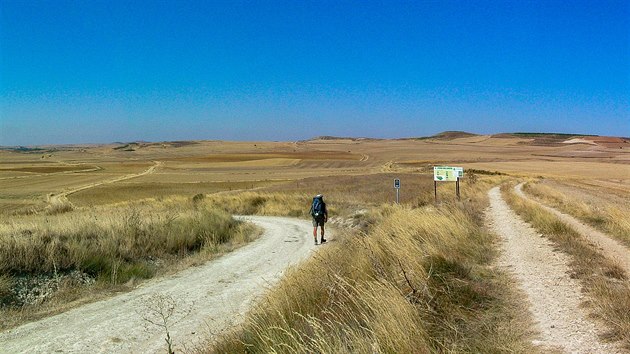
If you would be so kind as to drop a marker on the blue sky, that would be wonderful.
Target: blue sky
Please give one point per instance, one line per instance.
(103, 71)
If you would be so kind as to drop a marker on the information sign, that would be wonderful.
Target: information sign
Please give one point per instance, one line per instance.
(445, 174)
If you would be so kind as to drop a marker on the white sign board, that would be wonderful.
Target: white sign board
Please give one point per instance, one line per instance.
(397, 183)
(447, 174)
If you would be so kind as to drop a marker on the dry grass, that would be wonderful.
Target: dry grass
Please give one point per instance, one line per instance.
(308, 155)
(93, 241)
(419, 280)
(602, 279)
(48, 169)
(113, 244)
(343, 194)
(604, 214)
(125, 191)
(58, 206)
(397, 287)
(6, 286)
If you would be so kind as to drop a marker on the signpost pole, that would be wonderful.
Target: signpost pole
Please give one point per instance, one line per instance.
(457, 188)
(397, 196)
(435, 190)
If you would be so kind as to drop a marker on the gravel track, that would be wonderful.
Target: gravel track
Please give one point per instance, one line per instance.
(217, 295)
(542, 274)
(608, 246)
(63, 196)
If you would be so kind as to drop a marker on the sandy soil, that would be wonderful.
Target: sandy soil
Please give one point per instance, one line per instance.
(542, 273)
(217, 294)
(605, 243)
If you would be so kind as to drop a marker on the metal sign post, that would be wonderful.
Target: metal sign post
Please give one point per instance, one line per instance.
(397, 188)
(460, 174)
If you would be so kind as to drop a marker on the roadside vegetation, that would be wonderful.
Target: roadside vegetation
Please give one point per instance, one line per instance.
(602, 279)
(58, 254)
(133, 190)
(608, 216)
(418, 278)
(345, 195)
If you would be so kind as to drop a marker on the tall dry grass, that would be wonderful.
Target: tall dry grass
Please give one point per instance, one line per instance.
(95, 243)
(419, 280)
(113, 244)
(344, 195)
(605, 281)
(610, 217)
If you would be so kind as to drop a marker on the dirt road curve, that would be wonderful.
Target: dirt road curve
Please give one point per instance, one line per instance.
(542, 273)
(218, 293)
(608, 245)
(63, 196)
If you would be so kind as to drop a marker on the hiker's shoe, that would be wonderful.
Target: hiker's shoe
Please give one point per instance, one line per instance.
(323, 240)
(315, 242)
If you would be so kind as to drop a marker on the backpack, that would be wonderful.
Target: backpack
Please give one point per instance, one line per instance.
(317, 209)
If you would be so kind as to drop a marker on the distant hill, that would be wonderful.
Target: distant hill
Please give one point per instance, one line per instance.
(453, 134)
(560, 139)
(538, 139)
(330, 137)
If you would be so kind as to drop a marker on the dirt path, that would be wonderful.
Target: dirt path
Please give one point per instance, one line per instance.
(605, 243)
(543, 275)
(63, 196)
(217, 295)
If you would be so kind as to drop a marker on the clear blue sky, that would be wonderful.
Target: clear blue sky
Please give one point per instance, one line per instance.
(104, 71)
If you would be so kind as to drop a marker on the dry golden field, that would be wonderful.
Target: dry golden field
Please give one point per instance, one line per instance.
(64, 187)
(27, 178)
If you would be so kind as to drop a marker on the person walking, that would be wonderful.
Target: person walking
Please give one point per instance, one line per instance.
(320, 216)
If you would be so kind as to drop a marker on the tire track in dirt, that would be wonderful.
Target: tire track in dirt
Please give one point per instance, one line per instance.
(542, 273)
(608, 246)
(217, 294)
(63, 196)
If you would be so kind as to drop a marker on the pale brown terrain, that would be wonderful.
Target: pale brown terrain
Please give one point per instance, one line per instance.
(27, 178)
(593, 170)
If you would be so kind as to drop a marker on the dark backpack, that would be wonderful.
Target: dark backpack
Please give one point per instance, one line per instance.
(317, 209)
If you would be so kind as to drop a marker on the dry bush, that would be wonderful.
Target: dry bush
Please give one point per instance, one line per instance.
(59, 207)
(6, 289)
(607, 216)
(602, 278)
(261, 203)
(419, 281)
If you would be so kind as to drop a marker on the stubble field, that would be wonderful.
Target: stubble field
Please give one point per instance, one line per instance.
(588, 178)
(187, 168)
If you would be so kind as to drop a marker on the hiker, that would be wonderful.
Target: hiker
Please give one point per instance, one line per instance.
(320, 216)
